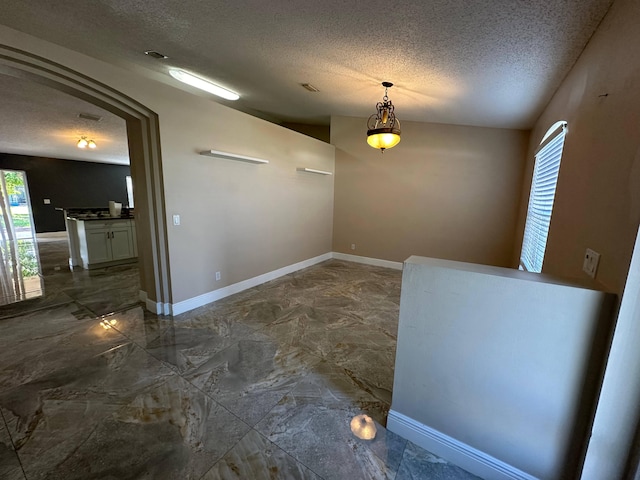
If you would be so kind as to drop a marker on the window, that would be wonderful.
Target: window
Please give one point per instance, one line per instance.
(543, 190)
(129, 191)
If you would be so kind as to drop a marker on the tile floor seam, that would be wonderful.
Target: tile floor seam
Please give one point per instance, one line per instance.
(325, 370)
(404, 449)
(289, 454)
(180, 375)
(35, 310)
(225, 453)
(15, 450)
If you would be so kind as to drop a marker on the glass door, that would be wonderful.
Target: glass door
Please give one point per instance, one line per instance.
(20, 274)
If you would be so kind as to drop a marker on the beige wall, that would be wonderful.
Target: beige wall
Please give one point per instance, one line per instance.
(597, 202)
(239, 219)
(598, 206)
(445, 191)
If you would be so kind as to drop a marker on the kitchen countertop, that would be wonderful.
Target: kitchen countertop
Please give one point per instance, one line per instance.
(100, 218)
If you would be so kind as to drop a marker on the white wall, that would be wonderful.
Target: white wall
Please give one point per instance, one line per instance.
(239, 219)
(502, 364)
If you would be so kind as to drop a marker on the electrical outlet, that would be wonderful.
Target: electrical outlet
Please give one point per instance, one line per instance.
(590, 264)
(353, 246)
(176, 219)
(218, 276)
(47, 201)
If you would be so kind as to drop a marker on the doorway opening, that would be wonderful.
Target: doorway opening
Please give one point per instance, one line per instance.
(145, 161)
(20, 271)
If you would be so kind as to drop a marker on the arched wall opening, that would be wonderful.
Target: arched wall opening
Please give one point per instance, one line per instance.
(145, 161)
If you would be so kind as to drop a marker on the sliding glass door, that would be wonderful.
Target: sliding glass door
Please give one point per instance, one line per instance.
(20, 275)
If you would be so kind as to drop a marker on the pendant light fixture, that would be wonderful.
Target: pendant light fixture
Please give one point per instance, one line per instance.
(383, 128)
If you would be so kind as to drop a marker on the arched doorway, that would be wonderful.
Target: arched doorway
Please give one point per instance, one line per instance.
(144, 153)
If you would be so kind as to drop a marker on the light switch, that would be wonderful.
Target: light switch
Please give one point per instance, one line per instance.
(590, 263)
(176, 219)
(47, 201)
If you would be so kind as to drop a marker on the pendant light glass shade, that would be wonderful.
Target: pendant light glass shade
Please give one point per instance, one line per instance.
(383, 128)
(384, 140)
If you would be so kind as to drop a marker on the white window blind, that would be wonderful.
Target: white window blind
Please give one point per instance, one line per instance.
(543, 190)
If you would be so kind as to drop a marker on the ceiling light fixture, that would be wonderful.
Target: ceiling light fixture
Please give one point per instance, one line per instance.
(383, 128)
(202, 84)
(84, 143)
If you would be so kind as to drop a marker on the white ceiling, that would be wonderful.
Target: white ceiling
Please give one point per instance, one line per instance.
(492, 63)
(40, 121)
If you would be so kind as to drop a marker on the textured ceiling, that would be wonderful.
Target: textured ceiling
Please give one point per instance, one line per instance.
(40, 121)
(492, 63)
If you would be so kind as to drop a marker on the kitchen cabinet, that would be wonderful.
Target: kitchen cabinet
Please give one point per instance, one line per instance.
(106, 242)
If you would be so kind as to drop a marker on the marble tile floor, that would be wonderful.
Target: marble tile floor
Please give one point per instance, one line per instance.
(102, 290)
(260, 385)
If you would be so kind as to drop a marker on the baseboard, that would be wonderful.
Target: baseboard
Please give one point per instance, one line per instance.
(156, 307)
(195, 302)
(367, 260)
(465, 456)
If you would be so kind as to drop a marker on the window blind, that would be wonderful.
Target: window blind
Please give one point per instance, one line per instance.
(543, 190)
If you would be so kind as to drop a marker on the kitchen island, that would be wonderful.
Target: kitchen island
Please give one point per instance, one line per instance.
(98, 240)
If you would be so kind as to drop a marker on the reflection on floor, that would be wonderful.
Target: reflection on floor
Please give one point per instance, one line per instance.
(260, 385)
(101, 291)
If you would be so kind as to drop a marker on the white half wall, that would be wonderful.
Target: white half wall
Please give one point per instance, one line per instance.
(498, 366)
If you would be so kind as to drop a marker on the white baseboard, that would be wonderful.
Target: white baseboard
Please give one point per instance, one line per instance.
(367, 260)
(200, 300)
(156, 307)
(465, 456)
(209, 297)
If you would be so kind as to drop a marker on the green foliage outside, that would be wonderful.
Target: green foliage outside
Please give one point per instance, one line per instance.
(13, 181)
(28, 260)
(21, 220)
(26, 251)
(26, 256)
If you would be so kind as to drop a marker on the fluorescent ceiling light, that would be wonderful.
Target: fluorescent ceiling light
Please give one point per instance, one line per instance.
(202, 84)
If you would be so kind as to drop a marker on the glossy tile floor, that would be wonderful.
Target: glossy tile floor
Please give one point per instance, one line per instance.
(260, 385)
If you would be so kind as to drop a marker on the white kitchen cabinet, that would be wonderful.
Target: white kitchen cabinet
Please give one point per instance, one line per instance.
(106, 242)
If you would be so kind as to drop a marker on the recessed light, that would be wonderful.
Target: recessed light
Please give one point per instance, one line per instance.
(156, 55)
(202, 84)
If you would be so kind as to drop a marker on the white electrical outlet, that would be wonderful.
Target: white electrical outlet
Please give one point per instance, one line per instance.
(176, 219)
(47, 201)
(353, 246)
(218, 276)
(590, 264)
